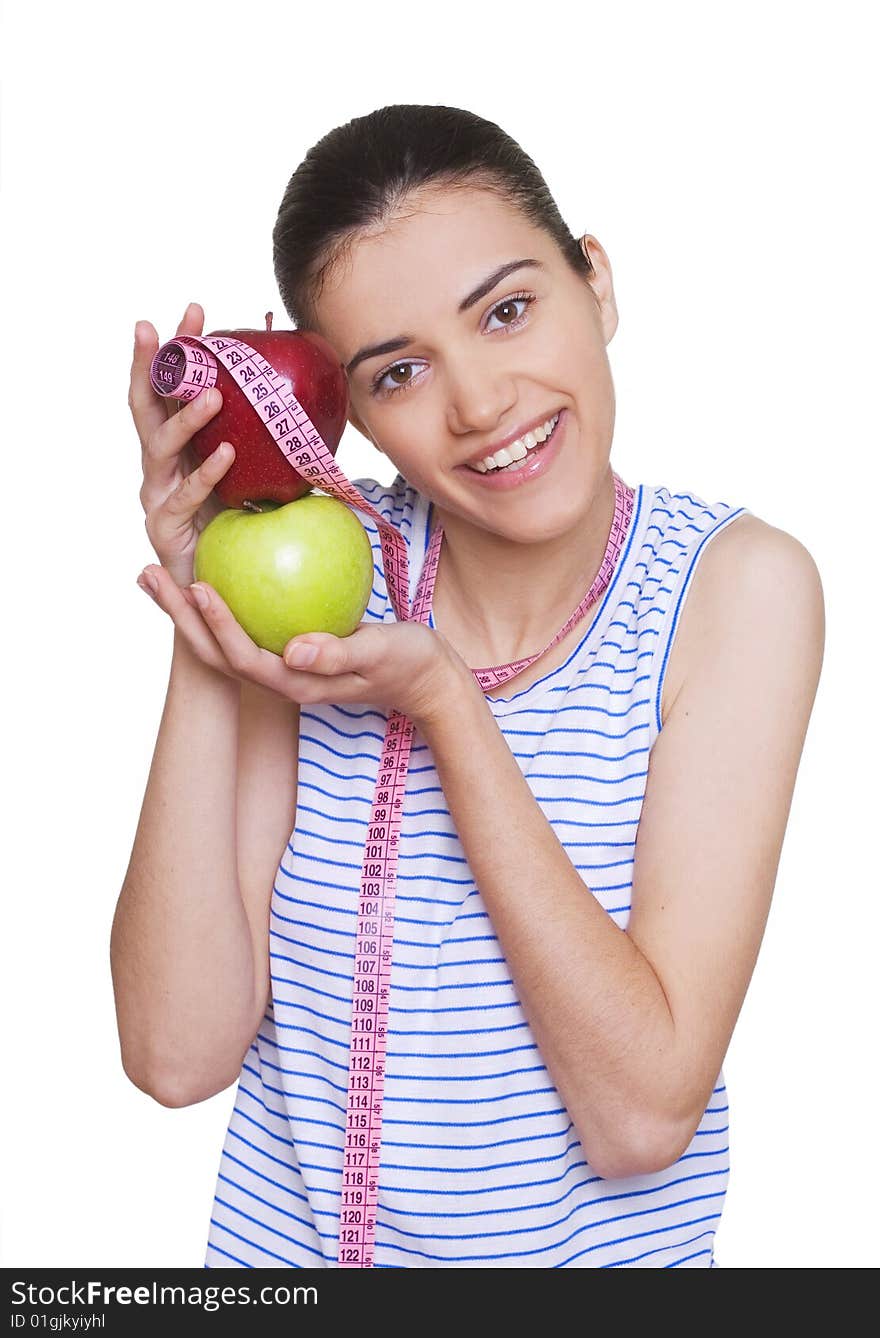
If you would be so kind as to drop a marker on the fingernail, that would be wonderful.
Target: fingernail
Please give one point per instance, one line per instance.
(142, 582)
(299, 656)
(147, 579)
(209, 398)
(200, 595)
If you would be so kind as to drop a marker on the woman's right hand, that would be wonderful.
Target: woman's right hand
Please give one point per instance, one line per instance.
(176, 493)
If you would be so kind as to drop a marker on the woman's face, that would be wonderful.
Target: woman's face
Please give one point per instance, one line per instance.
(464, 380)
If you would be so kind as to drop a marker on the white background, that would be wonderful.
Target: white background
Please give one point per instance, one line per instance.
(724, 155)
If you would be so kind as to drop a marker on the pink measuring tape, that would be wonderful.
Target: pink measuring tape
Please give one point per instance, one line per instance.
(184, 367)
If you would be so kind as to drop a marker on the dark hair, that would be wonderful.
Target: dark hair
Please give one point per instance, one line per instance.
(360, 174)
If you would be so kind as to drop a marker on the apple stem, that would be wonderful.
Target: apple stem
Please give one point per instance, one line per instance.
(251, 506)
(268, 320)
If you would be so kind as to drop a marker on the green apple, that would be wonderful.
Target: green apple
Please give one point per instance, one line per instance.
(303, 566)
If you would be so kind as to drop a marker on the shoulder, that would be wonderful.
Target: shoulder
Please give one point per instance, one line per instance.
(752, 564)
(757, 595)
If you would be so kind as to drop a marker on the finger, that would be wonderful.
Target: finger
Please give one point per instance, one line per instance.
(163, 455)
(251, 661)
(319, 652)
(357, 653)
(193, 320)
(243, 654)
(322, 667)
(185, 615)
(148, 409)
(180, 505)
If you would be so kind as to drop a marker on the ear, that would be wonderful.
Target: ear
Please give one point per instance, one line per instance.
(601, 283)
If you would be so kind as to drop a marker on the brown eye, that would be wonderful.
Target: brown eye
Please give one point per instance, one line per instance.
(511, 305)
(395, 382)
(507, 306)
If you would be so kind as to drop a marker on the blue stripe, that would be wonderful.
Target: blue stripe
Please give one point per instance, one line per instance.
(276, 1184)
(545, 1226)
(661, 1249)
(226, 1254)
(658, 1231)
(266, 1227)
(687, 1257)
(293, 1217)
(439, 1008)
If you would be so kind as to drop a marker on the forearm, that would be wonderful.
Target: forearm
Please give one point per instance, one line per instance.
(595, 1005)
(181, 949)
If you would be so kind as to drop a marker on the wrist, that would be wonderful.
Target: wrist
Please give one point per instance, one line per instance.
(188, 669)
(453, 689)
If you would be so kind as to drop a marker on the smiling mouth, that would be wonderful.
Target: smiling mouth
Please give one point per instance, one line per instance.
(532, 446)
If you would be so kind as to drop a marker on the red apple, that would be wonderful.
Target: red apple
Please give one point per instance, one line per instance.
(314, 373)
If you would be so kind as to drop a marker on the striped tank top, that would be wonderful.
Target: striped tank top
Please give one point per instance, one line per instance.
(480, 1162)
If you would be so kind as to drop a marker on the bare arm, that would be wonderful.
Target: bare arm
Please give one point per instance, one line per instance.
(634, 1026)
(189, 942)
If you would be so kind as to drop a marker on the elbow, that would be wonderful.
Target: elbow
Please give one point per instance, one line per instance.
(170, 1091)
(165, 1093)
(174, 1096)
(652, 1146)
(174, 1081)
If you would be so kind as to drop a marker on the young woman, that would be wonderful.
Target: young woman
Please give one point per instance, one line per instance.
(588, 850)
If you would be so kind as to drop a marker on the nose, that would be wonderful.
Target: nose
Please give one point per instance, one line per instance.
(479, 394)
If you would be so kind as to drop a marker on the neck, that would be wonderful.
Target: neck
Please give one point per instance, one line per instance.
(509, 599)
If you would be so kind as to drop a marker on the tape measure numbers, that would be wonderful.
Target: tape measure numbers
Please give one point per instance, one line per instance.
(184, 367)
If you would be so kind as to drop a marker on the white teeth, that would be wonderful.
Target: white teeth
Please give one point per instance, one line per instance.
(509, 455)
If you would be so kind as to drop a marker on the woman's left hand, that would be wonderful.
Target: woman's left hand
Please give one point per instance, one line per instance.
(404, 666)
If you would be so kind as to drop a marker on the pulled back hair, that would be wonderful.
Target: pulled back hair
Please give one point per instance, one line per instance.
(360, 175)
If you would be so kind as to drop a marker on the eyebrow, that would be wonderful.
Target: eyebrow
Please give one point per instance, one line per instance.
(402, 341)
